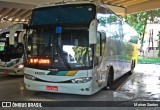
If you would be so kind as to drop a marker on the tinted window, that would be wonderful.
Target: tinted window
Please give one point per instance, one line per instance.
(63, 15)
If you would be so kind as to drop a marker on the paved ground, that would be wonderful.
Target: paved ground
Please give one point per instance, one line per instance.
(143, 85)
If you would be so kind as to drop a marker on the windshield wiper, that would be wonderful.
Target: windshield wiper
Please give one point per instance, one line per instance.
(44, 50)
(85, 55)
(61, 53)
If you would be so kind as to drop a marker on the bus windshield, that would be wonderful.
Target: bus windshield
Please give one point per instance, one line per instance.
(8, 51)
(68, 46)
(68, 14)
(67, 50)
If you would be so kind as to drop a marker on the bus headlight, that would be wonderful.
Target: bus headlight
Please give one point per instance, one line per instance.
(81, 80)
(29, 77)
(20, 66)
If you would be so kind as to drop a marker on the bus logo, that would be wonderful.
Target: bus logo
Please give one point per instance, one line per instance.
(40, 73)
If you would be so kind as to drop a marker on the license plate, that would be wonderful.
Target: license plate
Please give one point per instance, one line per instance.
(5, 73)
(52, 88)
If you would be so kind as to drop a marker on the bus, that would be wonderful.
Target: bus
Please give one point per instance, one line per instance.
(76, 48)
(12, 49)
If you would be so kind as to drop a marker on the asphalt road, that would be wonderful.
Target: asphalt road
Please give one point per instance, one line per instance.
(143, 85)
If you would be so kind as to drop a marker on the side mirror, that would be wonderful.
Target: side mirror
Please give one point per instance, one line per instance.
(21, 37)
(13, 29)
(93, 32)
(11, 37)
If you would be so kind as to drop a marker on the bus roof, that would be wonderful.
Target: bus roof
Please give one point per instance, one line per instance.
(68, 3)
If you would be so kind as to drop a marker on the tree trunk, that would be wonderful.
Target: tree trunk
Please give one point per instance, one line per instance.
(141, 47)
(159, 47)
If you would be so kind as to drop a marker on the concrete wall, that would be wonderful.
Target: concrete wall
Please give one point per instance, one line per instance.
(151, 53)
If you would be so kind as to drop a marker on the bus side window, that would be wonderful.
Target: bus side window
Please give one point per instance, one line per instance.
(98, 45)
(20, 48)
(102, 43)
(103, 40)
(98, 49)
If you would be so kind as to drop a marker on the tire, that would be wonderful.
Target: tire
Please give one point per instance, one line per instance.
(132, 67)
(110, 78)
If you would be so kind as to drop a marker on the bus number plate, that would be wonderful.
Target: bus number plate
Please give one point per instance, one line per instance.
(5, 73)
(52, 88)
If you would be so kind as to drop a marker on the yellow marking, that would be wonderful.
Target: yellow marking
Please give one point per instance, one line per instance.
(71, 73)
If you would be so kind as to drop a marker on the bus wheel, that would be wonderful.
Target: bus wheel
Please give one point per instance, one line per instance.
(132, 67)
(110, 77)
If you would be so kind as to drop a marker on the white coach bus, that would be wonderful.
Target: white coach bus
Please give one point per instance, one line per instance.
(77, 48)
(11, 50)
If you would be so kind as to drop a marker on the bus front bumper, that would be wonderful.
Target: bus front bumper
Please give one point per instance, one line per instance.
(69, 88)
(10, 71)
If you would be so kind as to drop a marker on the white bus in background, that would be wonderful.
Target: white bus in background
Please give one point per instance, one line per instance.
(90, 34)
(12, 50)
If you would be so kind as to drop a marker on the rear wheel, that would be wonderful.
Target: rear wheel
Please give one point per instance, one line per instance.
(110, 78)
(132, 67)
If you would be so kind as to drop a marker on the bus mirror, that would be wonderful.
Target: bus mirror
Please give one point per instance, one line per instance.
(93, 32)
(11, 37)
(20, 37)
(13, 29)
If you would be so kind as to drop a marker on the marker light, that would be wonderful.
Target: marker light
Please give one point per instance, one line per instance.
(39, 61)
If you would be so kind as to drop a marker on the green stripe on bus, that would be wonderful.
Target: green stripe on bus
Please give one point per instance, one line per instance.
(62, 73)
(53, 73)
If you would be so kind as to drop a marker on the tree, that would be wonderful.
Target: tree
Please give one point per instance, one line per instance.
(139, 21)
(158, 44)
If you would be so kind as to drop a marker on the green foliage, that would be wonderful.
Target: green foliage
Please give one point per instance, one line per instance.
(111, 19)
(102, 21)
(128, 48)
(139, 22)
(134, 40)
(149, 60)
(159, 54)
(159, 44)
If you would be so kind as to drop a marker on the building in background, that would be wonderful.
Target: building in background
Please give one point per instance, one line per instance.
(150, 48)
